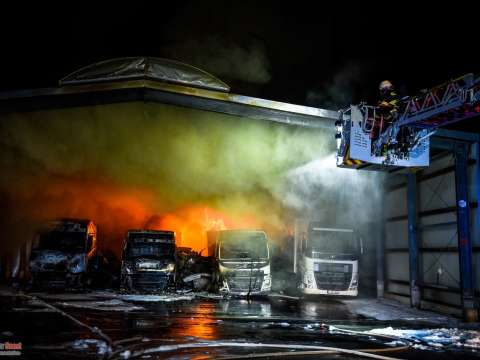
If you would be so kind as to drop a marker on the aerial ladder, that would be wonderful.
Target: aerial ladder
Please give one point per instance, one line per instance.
(364, 138)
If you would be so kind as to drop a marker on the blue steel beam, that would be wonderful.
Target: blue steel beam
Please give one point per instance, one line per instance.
(456, 135)
(412, 239)
(463, 228)
(447, 139)
(477, 184)
(380, 254)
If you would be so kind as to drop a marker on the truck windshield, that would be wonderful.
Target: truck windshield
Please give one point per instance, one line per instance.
(150, 245)
(243, 246)
(332, 242)
(63, 240)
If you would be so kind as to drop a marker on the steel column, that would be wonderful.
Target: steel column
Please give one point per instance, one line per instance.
(476, 227)
(380, 254)
(463, 228)
(412, 238)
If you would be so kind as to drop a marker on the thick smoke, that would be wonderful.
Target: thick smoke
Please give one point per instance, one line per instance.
(150, 165)
(336, 196)
(129, 165)
(346, 87)
(225, 59)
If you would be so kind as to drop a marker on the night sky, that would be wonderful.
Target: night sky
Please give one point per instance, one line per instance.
(295, 52)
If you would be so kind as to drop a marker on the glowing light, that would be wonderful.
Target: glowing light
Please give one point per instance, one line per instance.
(192, 223)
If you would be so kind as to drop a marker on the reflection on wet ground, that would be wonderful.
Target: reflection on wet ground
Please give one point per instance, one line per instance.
(203, 327)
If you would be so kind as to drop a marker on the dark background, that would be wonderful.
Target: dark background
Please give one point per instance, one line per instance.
(316, 54)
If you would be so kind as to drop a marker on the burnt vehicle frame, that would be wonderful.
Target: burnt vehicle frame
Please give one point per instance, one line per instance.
(242, 272)
(64, 254)
(148, 261)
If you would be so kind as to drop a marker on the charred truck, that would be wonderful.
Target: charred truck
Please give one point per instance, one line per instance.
(62, 254)
(243, 262)
(328, 261)
(148, 261)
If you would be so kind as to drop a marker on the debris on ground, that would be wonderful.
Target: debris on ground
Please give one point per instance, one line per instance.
(437, 338)
(107, 305)
(155, 298)
(195, 271)
(97, 346)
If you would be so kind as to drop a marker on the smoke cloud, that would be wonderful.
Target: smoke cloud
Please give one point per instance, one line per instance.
(321, 191)
(346, 87)
(147, 165)
(227, 59)
(132, 165)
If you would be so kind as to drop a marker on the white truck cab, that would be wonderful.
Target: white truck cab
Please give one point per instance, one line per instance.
(327, 260)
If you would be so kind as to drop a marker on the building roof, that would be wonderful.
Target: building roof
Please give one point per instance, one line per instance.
(158, 80)
(150, 68)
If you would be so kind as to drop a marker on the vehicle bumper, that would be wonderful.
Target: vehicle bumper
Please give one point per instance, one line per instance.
(244, 293)
(54, 280)
(239, 287)
(309, 291)
(146, 281)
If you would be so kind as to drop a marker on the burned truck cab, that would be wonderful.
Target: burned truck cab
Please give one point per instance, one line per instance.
(243, 262)
(148, 261)
(62, 253)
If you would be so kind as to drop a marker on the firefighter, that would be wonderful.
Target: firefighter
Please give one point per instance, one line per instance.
(389, 105)
(387, 109)
(388, 102)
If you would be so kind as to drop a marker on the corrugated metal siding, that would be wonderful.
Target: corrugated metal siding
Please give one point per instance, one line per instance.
(437, 234)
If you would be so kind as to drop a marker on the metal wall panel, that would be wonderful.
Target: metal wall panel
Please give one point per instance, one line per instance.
(437, 233)
(396, 203)
(398, 288)
(395, 234)
(431, 262)
(437, 193)
(397, 266)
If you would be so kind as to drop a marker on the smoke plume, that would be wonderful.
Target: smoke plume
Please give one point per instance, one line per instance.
(225, 59)
(346, 87)
(146, 165)
(133, 165)
(337, 196)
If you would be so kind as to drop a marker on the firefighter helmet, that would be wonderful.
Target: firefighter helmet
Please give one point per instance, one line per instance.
(385, 85)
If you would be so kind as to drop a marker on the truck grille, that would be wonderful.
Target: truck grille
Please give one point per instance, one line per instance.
(151, 281)
(331, 276)
(243, 283)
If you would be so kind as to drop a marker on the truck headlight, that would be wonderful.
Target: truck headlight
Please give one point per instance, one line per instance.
(170, 267)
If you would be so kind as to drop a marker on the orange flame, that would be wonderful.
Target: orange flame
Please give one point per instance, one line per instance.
(191, 224)
(112, 207)
(116, 209)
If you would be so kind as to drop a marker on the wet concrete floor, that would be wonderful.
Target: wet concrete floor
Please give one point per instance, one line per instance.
(109, 325)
